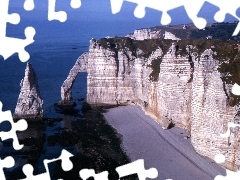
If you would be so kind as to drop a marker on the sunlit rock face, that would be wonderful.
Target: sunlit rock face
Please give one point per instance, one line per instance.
(176, 83)
(141, 34)
(30, 103)
(169, 35)
(211, 112)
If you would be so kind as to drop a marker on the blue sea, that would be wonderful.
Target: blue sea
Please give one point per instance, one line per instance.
(52, 55)
(54, 52)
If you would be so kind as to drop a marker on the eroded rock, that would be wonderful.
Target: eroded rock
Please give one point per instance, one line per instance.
(30, 103)
(176, 84)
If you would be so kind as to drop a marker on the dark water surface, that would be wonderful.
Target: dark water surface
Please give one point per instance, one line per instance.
(57, 46)
(94, 144)
(88, 137)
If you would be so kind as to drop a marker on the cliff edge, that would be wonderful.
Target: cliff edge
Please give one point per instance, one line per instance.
(182, 83)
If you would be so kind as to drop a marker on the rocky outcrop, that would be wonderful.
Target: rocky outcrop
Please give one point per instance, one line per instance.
(141, 34)
(29, 104)
(182, 84)
(221, 31)
(169, 35)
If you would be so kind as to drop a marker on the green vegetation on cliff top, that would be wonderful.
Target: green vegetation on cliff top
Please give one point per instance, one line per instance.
(221, 31)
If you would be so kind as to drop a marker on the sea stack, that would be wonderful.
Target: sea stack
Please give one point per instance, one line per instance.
(30, 103)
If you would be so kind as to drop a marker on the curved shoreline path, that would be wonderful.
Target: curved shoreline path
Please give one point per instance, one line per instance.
(166, 150)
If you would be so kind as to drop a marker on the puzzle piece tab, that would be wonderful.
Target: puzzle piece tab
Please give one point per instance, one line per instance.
(7, 162)
(29, 5)
(60, 15)
(9, 45)
(192, 8)
(236, 89)
(227, 7)
(159, 5)
(66, 166)
(220, 158)
(230, 175)
(21, 125)
(87, 173)
(137, 167)
(76, 4)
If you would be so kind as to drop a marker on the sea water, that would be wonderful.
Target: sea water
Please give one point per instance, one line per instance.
(54, 52)
(56, 48)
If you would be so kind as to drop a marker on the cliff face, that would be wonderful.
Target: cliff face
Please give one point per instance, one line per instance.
(141, 34)
(183, 83)
(29, 104)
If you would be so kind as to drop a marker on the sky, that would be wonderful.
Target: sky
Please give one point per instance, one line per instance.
(101, 10)
(98, 15)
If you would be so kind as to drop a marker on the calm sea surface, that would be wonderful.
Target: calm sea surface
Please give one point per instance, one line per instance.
(54, 52)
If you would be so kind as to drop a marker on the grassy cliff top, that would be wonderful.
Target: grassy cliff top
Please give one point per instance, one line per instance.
(221, 31)
(225, 49)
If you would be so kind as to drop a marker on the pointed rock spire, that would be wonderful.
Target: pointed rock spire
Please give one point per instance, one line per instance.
(29, 104)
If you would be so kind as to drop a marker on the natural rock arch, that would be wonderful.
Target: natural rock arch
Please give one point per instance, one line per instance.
(66, 88)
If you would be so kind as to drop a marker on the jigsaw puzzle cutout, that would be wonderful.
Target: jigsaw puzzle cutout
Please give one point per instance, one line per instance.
(87, 173)
(230, 175)
(66, 166)
(137, 167)
(192, 8)
(227, 7)
(52, 14)
(60, 15)
(6, 50)
(29, 5)
(21, 125)
(236, 89)
(7, 162)
(13, 45)
(220, 158)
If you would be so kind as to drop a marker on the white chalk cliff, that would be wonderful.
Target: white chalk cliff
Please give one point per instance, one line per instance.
(186, 90)
(29, 104)
(141, 34)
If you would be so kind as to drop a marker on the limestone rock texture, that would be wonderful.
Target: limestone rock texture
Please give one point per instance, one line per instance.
(141, 34)
(29, 103)
(176, 83)
(66, 88)
(169, 35)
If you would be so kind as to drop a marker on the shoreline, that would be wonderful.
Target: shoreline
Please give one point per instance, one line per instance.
(143, 138)
(88, 137)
